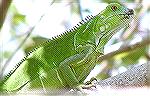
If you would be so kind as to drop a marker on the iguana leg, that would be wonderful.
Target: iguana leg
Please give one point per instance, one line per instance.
(68, 76)
(66, 72)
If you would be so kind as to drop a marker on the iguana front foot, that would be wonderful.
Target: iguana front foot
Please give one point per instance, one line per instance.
(88, 84)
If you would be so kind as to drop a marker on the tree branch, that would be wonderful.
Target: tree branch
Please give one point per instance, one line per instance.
(124, 84)
(4, 5)
(125, 49)
(137, 76)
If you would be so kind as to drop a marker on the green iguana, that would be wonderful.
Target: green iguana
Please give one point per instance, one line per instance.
(66, 60)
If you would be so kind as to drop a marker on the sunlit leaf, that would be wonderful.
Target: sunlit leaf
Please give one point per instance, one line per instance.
(18, 18)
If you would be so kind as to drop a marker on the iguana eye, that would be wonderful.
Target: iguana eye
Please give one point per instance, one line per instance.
(114, 8)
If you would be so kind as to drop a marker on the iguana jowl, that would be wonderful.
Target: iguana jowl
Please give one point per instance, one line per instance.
(66, 60)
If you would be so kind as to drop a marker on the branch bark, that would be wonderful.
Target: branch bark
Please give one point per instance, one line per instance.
(137, 76)
(4, 5)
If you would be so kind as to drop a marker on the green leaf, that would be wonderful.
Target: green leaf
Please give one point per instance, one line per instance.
(18, 18)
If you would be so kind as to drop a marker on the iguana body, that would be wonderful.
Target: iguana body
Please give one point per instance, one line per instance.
(66, 61)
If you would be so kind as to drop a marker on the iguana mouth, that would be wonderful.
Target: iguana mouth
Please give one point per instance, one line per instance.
(128, 13)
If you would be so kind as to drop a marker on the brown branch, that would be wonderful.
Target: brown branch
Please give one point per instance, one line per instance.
(4, 5)
(125, 49)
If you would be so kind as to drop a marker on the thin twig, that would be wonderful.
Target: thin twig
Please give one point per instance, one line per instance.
(14, 52)
(80, 9)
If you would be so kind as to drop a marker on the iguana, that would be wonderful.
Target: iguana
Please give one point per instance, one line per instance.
(67, 59)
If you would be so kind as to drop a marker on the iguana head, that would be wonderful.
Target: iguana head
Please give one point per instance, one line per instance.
(110, 20)
(113, 17)
(117, 14)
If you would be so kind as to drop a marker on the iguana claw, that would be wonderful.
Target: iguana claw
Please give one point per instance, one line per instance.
(91, 80)
(88, 84)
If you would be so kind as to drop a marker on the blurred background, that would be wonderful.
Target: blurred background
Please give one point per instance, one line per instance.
(30, 22)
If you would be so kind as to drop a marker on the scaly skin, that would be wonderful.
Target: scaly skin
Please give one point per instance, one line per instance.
(66, 61)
